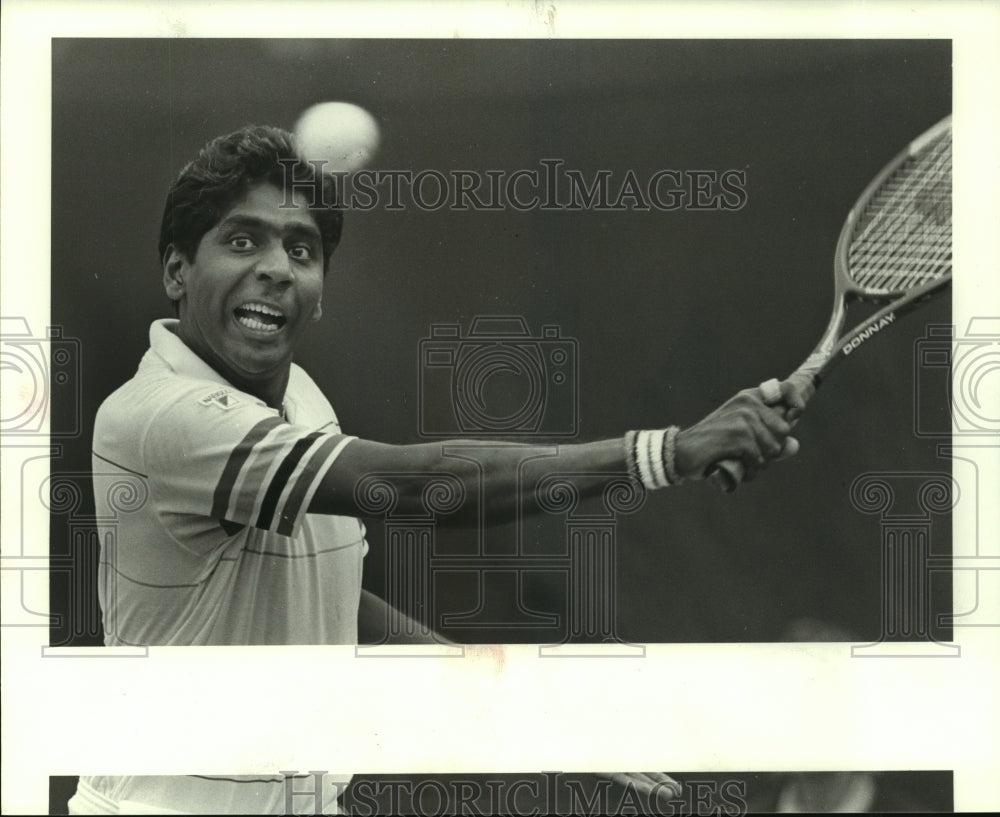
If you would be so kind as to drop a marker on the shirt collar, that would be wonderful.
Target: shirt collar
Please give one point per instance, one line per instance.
(164, 341)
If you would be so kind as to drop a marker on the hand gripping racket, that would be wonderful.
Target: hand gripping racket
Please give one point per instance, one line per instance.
(895, 248)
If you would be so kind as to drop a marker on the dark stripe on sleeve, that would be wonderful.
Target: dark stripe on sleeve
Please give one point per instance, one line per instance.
(116, 465)
(298, 493)
(237, 459)
(281, 477)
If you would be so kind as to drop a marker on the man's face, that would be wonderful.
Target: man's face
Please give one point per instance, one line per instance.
(252, 288)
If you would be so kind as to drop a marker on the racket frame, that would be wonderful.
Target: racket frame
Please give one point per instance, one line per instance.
(833, 346)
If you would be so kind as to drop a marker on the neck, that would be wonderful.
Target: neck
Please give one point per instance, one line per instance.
(271, 391)
(268, 386)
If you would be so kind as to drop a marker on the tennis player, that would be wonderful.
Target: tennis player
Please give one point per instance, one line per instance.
(250, 534)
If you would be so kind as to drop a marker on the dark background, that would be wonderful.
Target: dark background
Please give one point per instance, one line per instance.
(672, 311)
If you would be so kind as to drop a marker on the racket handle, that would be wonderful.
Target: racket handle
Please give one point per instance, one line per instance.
(728, 475)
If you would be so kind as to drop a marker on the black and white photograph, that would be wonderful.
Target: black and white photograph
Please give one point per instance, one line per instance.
(441, 399)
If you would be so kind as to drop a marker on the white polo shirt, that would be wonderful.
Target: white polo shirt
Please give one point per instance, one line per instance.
(221, 550)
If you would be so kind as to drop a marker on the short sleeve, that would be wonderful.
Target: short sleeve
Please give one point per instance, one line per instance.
(221, 454)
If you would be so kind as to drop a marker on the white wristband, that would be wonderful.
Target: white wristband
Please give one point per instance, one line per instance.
(650, 457)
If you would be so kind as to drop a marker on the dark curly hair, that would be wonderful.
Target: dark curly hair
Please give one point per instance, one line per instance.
(223, 173)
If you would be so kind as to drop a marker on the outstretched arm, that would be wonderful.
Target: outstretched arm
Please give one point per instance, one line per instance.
(493, 477)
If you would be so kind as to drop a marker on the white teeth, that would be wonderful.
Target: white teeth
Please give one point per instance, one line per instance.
(267, 310)
(250, 323)
(275, 319)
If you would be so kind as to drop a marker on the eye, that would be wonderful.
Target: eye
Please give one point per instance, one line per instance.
(301, 252)
(241, 242)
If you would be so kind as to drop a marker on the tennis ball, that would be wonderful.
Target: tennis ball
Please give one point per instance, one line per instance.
(343, 135)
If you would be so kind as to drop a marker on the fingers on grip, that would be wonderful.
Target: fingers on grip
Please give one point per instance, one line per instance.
(769, 432)
(790, 449)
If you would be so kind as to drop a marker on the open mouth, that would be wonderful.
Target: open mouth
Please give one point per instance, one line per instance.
(259, 317)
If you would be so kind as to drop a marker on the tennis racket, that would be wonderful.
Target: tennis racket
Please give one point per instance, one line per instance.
(894, 248)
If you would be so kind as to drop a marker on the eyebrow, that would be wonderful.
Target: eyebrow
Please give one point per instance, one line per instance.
(253, 222)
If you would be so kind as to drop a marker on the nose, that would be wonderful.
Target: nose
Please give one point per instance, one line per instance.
(275, 267)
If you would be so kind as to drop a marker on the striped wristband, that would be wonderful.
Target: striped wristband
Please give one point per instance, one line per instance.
(650, 457)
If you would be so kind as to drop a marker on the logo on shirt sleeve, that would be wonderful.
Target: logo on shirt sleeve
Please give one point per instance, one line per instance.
(223, 399)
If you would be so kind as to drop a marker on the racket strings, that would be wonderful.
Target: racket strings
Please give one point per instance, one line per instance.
(906, 238)
(903, 237)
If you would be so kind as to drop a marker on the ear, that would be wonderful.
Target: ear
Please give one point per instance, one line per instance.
(174, 267)
(317, 312)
